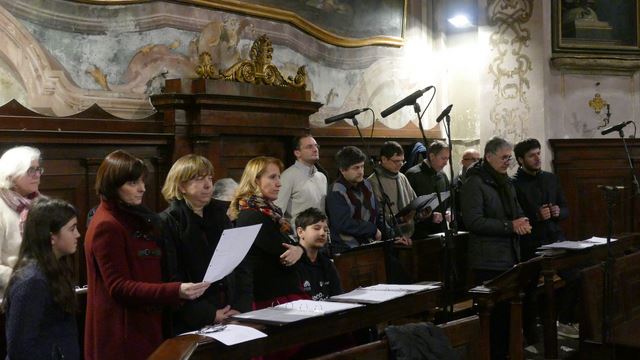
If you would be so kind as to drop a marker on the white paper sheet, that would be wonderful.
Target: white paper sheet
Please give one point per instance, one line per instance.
(444, 195)
(409, 288)
(569, 245)
(232, 248)
(233, 334)
(598, 240)
(293, 311)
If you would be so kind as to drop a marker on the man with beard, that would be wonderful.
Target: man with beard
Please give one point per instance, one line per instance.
(540, 197)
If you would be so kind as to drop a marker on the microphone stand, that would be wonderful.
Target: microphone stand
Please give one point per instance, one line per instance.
(447, 242)
(636, 186)
(385, 198)
(610, 195)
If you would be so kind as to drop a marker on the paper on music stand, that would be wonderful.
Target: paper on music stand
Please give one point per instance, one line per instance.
(232, 248)
(293, 311)
(433, 203)
(568, 245)
(598, 240)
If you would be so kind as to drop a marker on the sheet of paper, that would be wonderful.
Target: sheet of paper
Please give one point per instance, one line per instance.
(323, 307)
(598, 240)
(570, 245)
(409, 288)
(234, 334)
(365, 296)
(232, 248)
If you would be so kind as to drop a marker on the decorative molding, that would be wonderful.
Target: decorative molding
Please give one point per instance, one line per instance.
(279, 15)
(49, 90)
(599, 64)
(510, 66)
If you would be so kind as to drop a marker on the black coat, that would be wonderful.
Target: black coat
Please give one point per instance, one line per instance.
(493, 245)
(424, 181)
(190, 241)
(534, 191)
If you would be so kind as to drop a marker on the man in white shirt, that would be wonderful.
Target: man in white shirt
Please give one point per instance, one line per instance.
(302, 185)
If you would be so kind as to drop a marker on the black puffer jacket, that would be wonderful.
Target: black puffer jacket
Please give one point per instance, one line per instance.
(493, 245)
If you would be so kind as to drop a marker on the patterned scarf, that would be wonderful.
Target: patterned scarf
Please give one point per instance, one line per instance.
(357, 204)
(19, 203)
(267, 208)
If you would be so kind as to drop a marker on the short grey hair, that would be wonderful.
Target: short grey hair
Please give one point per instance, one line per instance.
(224, 189)
(496, 143)
(14, 163)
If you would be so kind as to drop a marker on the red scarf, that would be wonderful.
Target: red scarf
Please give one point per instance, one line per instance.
(269, 209)
(19, 203)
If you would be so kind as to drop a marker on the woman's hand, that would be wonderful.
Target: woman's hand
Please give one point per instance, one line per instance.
(224, 313)
(292, 255)
(190, 291)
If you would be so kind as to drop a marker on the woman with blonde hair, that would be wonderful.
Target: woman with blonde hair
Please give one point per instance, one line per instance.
(20, 173)
(267, 276)
(193, 226)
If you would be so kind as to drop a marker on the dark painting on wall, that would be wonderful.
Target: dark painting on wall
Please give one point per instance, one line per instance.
(607, 26)
(348, 18)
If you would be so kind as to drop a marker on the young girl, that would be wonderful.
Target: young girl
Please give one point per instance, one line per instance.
(40, 300)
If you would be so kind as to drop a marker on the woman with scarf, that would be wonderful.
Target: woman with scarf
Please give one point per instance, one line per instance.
(122, 247)
(267, 276)
(193, 226)
(20, 173)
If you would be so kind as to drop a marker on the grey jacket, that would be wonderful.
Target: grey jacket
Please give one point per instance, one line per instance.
(493, 245)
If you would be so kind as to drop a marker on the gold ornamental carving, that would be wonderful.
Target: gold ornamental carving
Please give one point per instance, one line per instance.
(257, 70)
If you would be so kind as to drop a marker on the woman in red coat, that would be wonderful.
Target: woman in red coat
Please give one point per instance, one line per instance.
(126, 293)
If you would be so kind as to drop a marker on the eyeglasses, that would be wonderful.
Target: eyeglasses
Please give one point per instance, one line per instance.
(507, 158)
(33, 171)
(399, 162)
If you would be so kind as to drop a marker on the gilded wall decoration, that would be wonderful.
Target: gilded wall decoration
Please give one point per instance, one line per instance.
(510, 66)
(348, 23)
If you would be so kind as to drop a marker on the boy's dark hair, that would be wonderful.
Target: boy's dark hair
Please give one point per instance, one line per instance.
(436, 146)
(524, 147)
(310, 216)
(391, 148)
(295, 143)
(348, 156)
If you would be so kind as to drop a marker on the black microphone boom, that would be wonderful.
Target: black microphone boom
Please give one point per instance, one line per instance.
(615, 127)
(444, 113)
(347, 115)
(409, 100)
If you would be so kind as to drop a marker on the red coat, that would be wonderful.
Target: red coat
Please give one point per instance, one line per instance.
(126, 293)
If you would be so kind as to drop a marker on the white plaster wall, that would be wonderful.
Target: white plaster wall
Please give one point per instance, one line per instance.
(10, 86)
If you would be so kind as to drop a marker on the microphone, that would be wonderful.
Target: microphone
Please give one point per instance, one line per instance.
(347, 115)
(615, 127)
(444, 113)
(409, 100)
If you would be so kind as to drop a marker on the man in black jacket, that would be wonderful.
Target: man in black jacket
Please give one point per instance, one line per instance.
(541, 198)
(495, 221)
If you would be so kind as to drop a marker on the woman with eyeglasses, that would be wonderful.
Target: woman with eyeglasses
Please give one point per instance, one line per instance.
(20, 173)
(193, 226)
(126, 295)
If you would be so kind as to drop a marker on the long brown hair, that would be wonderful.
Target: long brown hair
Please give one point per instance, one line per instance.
(46, 217)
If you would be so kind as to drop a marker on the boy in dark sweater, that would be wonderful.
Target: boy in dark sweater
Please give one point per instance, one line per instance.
(318, 275)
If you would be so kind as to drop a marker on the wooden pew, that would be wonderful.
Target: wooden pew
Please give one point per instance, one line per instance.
(463, 334)
(625, 319)
(361, 266)
(302, 332)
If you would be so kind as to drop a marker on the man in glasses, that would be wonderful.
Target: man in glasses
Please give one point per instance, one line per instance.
(302, 185)
(495, 221)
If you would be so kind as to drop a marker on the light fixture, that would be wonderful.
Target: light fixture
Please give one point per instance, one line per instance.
(460, 21)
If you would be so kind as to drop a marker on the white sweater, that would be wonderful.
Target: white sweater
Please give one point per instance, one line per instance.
(10, 239)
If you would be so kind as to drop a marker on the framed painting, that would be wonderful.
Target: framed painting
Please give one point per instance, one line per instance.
(596, 26)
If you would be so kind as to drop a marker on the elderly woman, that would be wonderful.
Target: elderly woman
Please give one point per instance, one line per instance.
(193, 226)
(267, 274)
(20, 173)
(122, 247)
